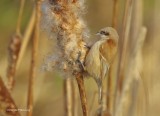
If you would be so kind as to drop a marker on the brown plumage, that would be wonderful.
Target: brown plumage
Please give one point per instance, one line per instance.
(101, 55)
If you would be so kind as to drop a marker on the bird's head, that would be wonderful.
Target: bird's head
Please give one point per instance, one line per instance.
(108, 33)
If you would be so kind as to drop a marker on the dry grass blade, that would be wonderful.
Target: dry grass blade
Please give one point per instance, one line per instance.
(132, 74)
(33, 61)
(75, 99)
(115, 13)
(7, 104)
(137, 20)
(123, 48)
(82, 93)
(137, 35)
(68, 84)
(124, 40)
(18, 30)
(26, 39)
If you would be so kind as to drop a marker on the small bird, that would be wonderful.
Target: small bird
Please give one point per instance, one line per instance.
(101, 55)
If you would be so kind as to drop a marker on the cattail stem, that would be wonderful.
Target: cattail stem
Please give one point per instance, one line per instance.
(33, 61)
(7, 101)
(82, 93)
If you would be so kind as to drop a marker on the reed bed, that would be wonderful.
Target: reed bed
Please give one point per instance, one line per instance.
(64, 23)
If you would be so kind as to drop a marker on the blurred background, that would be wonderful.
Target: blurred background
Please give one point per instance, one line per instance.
(48, 99)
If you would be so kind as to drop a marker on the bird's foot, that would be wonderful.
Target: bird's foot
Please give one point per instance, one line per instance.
(82, 67)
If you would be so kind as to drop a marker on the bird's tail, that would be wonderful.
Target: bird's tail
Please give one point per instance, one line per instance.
(99, 83)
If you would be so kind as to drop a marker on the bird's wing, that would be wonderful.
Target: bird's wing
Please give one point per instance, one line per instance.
(104, 68)
(104, 64)
(92, 62)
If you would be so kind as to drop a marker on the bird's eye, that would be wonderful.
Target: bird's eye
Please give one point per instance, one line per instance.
(104, 33)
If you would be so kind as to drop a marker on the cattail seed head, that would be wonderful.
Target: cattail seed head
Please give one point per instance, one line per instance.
(63, 21)
(14, 48)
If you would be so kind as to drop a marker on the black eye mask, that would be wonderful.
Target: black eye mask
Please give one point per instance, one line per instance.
(104, 33)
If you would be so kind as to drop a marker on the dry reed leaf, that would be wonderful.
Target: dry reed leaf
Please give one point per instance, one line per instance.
(7, 104)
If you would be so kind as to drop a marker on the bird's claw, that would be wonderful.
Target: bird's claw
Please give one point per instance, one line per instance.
(79, 61)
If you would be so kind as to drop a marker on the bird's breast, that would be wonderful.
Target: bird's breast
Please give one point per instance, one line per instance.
(108, 50)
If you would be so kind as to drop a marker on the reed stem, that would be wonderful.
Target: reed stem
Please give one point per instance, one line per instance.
(33, 61)
(82, 93)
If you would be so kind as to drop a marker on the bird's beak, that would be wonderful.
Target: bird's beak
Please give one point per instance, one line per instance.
(98, 34)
